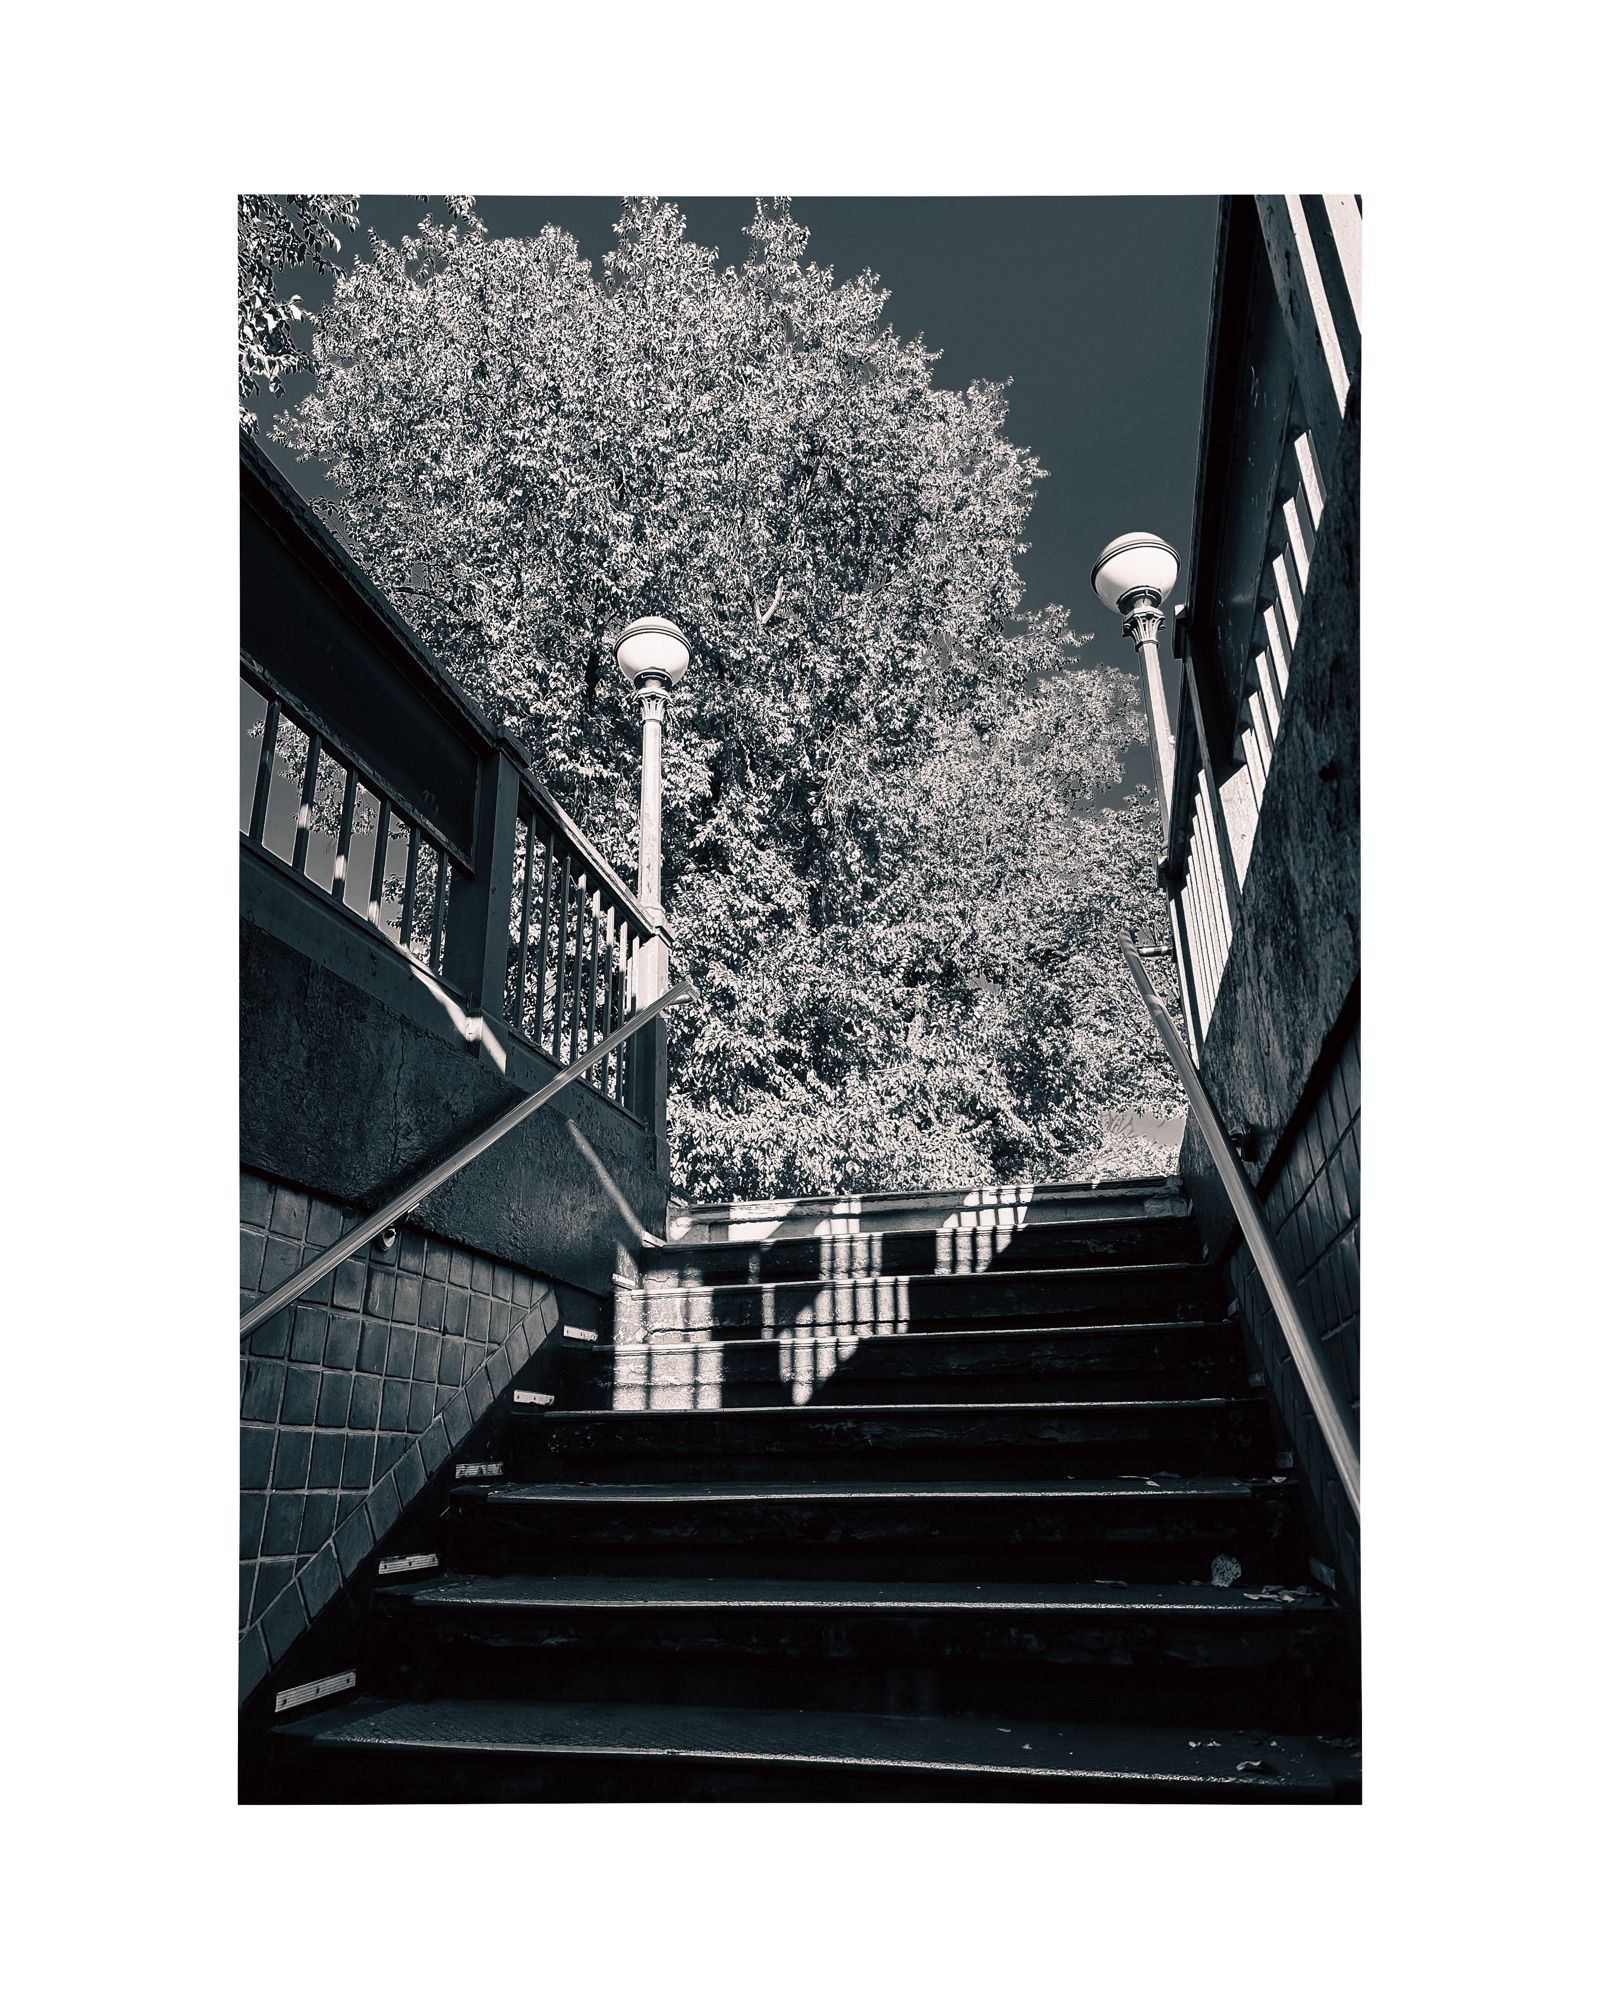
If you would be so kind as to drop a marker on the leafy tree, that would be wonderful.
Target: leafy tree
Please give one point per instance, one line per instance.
(890, 859)
(279, 233)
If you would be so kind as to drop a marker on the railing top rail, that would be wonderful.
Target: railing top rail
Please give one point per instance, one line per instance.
(1327, 1405)
(301, 522)
(425, 1184)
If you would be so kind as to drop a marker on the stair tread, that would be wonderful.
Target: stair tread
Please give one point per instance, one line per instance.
(628, 1593)
(848, 1412)
(1128, 1330)
(1214, 1760)
(1019, 1274)
(1143, 1486)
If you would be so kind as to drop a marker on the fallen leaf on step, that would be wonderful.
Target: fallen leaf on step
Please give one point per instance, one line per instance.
(1226, 1570)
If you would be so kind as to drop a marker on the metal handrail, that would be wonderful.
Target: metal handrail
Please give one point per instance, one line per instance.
(1327, 1405)
(393, 1211)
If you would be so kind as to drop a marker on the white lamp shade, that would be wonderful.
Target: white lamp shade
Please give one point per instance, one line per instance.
(1134, 562)
(653, 649)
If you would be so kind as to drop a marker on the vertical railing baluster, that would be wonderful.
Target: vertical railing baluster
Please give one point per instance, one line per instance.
(1184, 962)
(1263, 731)
(547, 840)
(581, 915)
(1299, 548)
(615, 927)
(1277, 648)
(441, 884)
(308, 794)
(1266, 687)
(1195, 932)
(408, 898)
(1255, 761)
(619, 1000)
(625, 1090)
(594, 978)
(519, 1015)
(1214, 844)
(269, 749)
(347, 819)
(380, 858)
(561, 960)
(1306, 457)
(1206, 900)
(1288, 604)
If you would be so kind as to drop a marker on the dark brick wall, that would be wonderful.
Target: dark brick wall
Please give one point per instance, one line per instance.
(1313, 1205)
(353, 1399)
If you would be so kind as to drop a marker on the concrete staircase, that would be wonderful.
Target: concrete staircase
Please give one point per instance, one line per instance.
(940, 1497)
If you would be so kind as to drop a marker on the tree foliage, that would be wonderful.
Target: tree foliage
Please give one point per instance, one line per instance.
(893, 863)
(279, 233)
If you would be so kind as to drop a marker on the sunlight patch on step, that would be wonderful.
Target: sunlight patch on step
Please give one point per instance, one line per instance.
(826, 1333)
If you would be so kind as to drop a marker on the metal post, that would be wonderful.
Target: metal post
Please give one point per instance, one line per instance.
(1142, 623)
(652, 657)
(652, 963)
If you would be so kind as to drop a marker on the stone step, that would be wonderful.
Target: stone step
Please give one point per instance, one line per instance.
(1132, 1529)
(979, 1247)
(1111, 1651)
(953, 1301)
(1005, 1363)
(506, 1750)
(1218, 1434)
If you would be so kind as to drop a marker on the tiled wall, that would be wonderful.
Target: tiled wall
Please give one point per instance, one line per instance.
(1314, 1207)
(351, 1400)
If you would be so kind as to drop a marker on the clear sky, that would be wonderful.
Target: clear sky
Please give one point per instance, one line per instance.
(1094, 308)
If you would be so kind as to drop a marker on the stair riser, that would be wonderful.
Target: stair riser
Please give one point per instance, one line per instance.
(400, 1777)
(847, 1391)
(1061, 1247)
(824, 1444)
(891, 1305)
(997, 1368)
(1046, 1541)
(1062, 1669)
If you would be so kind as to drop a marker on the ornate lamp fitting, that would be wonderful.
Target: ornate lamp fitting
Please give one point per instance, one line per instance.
(652, 657)
(1139, 565)
(1144, 619)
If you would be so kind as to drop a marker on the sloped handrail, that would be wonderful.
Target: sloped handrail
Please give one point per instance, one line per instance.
(419, 1189)
(1327, 1405)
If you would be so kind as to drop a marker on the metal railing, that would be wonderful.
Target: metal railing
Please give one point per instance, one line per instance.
(396, 1210)
(1327, 1406)
(556, 946)
(575, 932)
(326, 818)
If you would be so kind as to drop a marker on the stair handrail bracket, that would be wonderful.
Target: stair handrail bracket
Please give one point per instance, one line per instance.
(1327, 1405)
(419, 1189)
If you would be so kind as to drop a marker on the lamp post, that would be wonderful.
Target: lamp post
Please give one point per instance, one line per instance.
(652, 657)
(1133, 575)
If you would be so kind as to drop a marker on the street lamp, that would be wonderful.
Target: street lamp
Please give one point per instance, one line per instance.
(1133, 575)
(652, 657)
